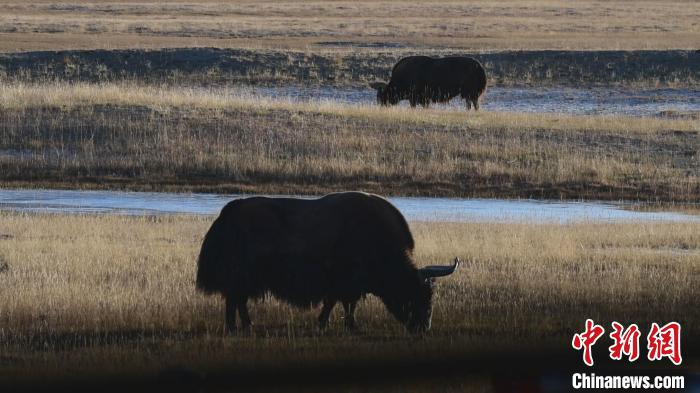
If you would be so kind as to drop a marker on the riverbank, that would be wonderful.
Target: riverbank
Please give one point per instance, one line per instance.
(136, 137)
(113, 297)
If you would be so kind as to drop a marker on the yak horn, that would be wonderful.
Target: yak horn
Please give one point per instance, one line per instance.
(439, 271)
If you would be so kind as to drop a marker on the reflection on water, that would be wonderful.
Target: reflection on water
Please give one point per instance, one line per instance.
(415, 209)
(598, 101)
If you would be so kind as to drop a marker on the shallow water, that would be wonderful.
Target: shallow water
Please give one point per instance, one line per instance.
(415, 209)
(593, 101)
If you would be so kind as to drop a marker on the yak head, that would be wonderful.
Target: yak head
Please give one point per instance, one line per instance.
(415, 309)
(385, 94)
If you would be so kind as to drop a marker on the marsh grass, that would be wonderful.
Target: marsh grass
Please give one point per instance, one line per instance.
(276, 67)
(168, 138)
(115, 294)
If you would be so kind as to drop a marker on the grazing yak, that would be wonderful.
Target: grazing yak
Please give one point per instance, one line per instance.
(336, 248)
(422, 80)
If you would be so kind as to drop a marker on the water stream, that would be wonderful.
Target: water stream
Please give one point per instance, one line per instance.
(415, 209)
(594, 101)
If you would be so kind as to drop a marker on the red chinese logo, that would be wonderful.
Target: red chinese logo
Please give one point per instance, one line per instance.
(665, 342)
(586, 340)
(626, 342)
(661, 341)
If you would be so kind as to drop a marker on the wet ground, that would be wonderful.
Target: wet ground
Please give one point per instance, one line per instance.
(592, 101)
(415, 209)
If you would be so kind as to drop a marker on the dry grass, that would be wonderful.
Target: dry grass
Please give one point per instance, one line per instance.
(472, 25)
(166, 99)
(176, 138)
(112, 294)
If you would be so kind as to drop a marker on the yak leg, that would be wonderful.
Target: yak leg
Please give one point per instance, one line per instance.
(243, 313)
(469, 103)
(476, 104)
(231, 306)
(325, 315)
(240, 304)
(350, 314)
(413, 102)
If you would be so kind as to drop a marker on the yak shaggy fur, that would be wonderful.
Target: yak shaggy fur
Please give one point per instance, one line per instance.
(422, 80)
(305, 251)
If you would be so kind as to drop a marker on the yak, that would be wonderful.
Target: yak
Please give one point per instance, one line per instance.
(336, 248)
(422, 80)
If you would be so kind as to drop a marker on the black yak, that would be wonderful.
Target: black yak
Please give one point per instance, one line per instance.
(336, 248)
(422, 80)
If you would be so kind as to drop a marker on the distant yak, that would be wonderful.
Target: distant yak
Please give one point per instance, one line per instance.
(336, 248)
(422, 80)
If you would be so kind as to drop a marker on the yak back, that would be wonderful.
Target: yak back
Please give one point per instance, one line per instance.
(451, 75)
(302, 250)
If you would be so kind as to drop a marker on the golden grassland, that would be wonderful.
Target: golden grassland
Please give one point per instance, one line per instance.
(468, 25)
(172, 138)
(111, 294)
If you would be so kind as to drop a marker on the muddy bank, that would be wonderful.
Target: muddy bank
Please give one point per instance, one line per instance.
(262, 67)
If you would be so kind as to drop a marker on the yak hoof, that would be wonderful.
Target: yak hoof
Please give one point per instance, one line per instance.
(234, 330)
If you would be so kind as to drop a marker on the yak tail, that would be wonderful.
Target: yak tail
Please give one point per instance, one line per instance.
(215, 258)
(481, 82)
